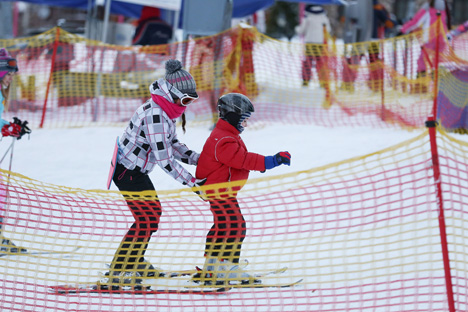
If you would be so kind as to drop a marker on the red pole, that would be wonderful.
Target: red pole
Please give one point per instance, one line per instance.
(44, 107)
(431, 124)
(426, 56)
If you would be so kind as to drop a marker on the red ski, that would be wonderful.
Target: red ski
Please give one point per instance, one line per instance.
(70, 289)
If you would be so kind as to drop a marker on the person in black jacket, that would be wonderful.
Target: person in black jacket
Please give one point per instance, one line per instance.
(151, 28)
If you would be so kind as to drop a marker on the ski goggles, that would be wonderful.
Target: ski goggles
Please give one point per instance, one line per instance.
(9, 65)
(185, 99)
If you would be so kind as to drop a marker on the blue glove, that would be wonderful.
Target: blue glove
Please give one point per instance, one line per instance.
(278, 159)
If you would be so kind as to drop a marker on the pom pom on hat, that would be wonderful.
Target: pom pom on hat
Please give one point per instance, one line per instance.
(180, 78)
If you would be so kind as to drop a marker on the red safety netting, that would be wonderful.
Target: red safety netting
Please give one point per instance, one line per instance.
(382, 232)
(361, 235)
(66, 80)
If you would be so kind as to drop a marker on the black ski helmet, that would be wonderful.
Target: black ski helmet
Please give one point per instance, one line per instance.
(236, 103)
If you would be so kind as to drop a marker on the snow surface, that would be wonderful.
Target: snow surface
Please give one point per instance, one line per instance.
(80, 157)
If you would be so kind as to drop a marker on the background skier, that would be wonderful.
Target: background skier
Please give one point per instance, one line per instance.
(8, 69)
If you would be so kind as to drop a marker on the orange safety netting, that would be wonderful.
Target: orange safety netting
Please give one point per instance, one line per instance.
(66, 80)
(362, 234)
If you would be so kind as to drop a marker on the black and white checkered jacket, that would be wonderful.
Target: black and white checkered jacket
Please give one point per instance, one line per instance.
(151, 139)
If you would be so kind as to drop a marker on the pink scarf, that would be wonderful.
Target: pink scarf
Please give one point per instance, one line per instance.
(171, 109)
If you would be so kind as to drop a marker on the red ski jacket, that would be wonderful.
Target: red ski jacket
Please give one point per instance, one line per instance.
(225, 158)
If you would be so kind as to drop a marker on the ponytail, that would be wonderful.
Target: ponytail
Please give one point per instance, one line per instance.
(183, 122)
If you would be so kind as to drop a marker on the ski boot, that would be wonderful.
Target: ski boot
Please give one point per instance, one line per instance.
(145, 269)
(222, 272)
(125, 280)
(7, 246)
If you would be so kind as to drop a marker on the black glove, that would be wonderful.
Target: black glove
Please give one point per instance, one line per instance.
(24, 129)
(198, 191)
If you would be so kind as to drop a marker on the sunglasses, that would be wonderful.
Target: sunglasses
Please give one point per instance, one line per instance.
(9, 64)
(185, 99)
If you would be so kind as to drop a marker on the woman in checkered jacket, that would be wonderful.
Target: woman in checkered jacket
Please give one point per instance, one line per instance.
(150, 140)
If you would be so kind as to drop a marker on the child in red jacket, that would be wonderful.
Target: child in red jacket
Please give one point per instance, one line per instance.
(225, 159)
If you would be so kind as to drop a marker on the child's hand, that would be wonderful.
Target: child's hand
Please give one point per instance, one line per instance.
(277, 159)
(283, 158)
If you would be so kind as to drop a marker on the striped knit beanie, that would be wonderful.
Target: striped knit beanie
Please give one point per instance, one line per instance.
(180, 78)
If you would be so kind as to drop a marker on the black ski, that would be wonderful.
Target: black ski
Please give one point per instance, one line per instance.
(36, 253)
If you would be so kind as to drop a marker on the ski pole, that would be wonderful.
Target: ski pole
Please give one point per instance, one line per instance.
(1, 160)
(9, 171)
(11, 155)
